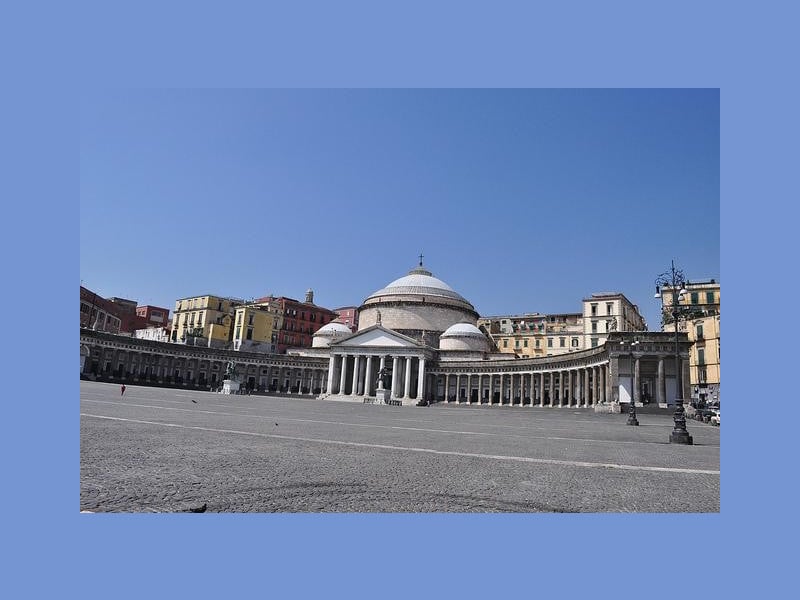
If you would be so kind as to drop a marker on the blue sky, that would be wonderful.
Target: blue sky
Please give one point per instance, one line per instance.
(522, 200)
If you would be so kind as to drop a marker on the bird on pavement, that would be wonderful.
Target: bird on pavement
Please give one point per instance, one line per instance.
(193, 400)
(199, 509)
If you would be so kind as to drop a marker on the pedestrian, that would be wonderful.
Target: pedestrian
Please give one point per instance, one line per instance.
(122, 390)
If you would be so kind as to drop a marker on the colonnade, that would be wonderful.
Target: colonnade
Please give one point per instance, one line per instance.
(359, 375)
(570, 387)
(142, 365)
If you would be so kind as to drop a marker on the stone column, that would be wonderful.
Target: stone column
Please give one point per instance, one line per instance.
(395, 375)
(342, 375)
(570, 388)
(502, 388)
(407, 387)
(661, 383)
(368, 377)
(586, 387)
(551, 384)
(561, 389)
(636, 381)
(447, 387)
(458, 388)
(356, 370)
(421, 379)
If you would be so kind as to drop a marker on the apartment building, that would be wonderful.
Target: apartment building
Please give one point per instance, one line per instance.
(698, 316)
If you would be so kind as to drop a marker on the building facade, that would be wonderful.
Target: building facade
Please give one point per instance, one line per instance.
(698, 317)
(534, 335)
(97, 313)
(153, 316)
(254, 327)
(298, 321)
(607, 312)
(204, 320)
(348, 315)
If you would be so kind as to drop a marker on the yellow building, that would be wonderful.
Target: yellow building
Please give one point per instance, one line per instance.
(532, 335)
(699, 318)
(256, 327)
(204, 320)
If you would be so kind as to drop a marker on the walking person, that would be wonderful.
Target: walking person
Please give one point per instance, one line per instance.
(122, 390)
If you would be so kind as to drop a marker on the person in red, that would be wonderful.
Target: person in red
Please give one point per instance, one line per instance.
(122, 390)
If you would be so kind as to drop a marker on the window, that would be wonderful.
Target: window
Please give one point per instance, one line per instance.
(562, 342)
(699, 331)
(549, 342)
(249, 333)
(516, 343)
(695, 297)
(594, 342)
(537, 344)
(526, 343)
(701, 356)
(574, 342)
(594, 310)
(609, 308)
(594, 326)
(709, 297)
(505, 343)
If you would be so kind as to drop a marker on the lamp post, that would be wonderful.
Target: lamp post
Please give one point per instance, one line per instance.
(676, 282)
(632, 420)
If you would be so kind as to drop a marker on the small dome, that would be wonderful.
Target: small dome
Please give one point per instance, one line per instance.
(329, 333)
(334, 329)
(463, 329)
(464, 337)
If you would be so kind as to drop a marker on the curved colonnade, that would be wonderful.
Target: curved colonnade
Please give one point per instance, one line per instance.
(604, 375)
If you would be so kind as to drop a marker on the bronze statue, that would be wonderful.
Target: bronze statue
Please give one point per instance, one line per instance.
(230, 370)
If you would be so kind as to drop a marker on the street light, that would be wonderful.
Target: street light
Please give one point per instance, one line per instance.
(676, 282)
(632, 420)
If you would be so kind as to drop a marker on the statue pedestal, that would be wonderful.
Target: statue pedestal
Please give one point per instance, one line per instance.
(230, 386)
(382, 396)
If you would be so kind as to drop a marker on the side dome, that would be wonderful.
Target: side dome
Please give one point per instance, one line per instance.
(464, 336)
(328, 333)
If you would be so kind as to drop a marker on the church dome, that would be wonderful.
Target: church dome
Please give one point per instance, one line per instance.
(420, 282)
(417, 305)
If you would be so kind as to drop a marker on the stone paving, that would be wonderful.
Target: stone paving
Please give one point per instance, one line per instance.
(154, 450)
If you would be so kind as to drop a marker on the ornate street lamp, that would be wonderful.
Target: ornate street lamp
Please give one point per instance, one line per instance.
(676, 282)
(632, 420)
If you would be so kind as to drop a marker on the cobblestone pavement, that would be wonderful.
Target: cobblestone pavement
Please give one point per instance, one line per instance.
(154, 450)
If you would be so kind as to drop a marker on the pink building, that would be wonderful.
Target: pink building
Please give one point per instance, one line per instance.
(349, 316)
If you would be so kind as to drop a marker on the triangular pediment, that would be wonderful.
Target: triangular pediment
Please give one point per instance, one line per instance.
(377, 336)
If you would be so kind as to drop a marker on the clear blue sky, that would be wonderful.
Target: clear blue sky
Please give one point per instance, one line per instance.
(521, 200)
